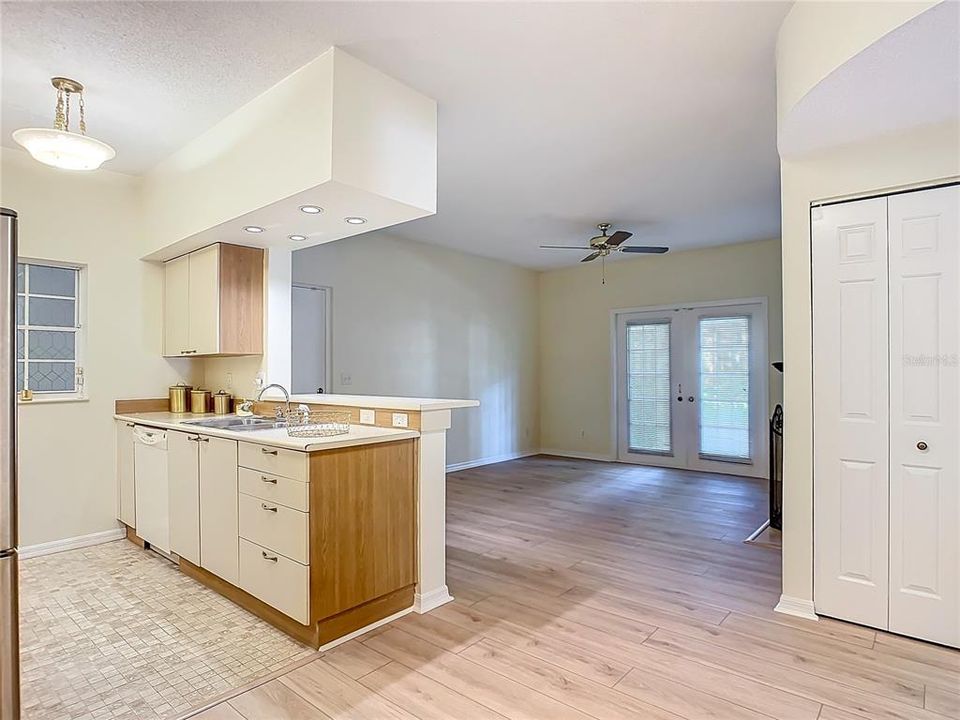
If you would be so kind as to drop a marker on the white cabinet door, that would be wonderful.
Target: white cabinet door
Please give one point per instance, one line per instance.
(851, 390)
(204, 312)
(176, 300)
(219, 524)
(924, 414)
(183, 468)
(126, 492)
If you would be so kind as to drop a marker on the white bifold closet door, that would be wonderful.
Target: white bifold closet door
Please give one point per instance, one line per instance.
(886, 332)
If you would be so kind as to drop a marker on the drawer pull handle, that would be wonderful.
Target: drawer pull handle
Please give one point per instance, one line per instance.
(268, 452)
(272, 481)
(203, 439)
(195, 438)
(130, 425)
(267, 507)
(271, 558)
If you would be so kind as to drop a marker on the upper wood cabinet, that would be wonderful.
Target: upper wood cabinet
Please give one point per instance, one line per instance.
(213, 302)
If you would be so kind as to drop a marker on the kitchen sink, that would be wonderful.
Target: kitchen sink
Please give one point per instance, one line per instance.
(254, 422)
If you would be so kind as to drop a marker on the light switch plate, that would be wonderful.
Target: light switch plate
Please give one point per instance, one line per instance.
(367, 417)
(400, 420)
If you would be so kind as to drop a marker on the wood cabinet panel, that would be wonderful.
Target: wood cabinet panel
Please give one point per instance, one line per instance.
(219, 524)
(363, 524)
(241, 300)
(183, 468)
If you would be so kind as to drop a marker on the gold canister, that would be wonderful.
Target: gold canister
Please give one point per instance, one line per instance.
(221, 403)
(179, 397)
(200, 401)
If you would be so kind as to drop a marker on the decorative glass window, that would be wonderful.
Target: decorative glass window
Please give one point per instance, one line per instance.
(48, 329)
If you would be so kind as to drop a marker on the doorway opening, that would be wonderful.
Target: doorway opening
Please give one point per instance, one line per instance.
(311, 347)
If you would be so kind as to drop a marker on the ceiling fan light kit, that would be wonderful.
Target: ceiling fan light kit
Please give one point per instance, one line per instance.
(58, 146)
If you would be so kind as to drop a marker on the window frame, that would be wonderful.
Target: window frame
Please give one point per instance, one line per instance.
(79, 393)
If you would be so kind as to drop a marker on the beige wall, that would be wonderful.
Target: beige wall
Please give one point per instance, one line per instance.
(887, 163)
(575, 390)
(67, 479)
(420, 320)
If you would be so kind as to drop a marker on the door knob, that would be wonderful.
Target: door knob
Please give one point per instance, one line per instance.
(922, 445)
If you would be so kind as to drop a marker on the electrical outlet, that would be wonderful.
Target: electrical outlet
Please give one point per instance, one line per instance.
(229, 381)
(345, 379)
(367, 417)
(400, 420)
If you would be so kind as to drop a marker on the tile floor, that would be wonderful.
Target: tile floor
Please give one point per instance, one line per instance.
(113, 631)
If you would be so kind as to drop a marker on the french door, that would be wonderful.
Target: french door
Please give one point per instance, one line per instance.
(692, 387)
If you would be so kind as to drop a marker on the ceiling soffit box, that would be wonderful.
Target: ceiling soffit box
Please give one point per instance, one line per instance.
(336, 134)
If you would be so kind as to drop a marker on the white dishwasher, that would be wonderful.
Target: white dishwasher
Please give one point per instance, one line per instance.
(152, 486)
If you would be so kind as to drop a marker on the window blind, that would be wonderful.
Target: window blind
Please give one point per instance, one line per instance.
(648, 387)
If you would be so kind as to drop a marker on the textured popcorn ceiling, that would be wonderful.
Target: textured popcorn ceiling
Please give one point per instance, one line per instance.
(659, 117)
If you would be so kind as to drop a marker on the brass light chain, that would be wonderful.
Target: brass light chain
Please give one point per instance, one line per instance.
(83, 119)
(67, 127)
(60, 118)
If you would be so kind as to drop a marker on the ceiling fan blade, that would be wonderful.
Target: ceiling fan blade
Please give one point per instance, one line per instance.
(591, 256)
(649, 250)
(618, 237)
(565, 247)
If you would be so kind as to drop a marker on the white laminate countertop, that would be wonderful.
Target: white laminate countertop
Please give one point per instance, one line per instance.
(358, 435)
(375, 401)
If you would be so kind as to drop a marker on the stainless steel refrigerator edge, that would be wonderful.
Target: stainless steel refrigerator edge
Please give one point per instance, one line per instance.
(9, 613)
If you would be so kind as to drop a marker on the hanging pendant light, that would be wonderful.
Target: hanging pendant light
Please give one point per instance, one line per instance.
(59, 147)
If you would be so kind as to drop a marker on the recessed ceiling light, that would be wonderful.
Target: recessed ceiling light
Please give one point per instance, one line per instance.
(311, 209)
(297, 238)
(253, 229)
(355, 220)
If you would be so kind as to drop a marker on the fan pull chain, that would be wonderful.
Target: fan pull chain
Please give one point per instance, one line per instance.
(83, 119)
(67, 127)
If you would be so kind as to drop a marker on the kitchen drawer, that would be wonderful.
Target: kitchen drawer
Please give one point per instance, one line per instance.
(274, 460)
(276, 527)
(278, 581)
(275, 489)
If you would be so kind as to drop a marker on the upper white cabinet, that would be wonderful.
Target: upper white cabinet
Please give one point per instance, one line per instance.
(213, 302)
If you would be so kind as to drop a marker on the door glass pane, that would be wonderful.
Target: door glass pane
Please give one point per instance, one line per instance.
(52, 345)
(648, 387)
(725, 387)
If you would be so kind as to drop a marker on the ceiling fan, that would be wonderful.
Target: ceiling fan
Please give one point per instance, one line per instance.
(602, 245)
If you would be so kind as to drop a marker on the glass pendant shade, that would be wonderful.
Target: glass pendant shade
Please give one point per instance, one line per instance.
(59, 147)
(65, 150)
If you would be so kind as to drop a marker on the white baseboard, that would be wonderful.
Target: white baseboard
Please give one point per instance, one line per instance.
(431, 600)
(492, 460)
(796, 607)
(81, 541)
(577, 455)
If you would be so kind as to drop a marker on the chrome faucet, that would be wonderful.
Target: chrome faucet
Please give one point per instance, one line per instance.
(285, 395)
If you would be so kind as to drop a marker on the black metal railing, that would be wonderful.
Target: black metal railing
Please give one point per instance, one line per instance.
(776, 468)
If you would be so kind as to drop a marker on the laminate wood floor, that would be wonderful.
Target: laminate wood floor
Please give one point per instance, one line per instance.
(594, 590)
